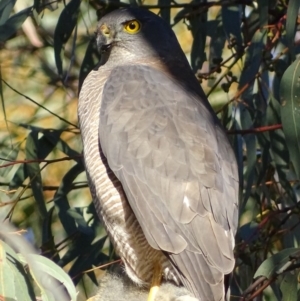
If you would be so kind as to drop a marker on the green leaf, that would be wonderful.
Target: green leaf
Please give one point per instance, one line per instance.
(86, 234)
(19, 177)
(64, 28)
(273, 265)
(13, 24)
(91, 58)
(133, 3)
(250, 140)
(165, 12)
(288, 286)
(198, 27)
(263, 6)
(290, 112)
(61, 201)
(216, 32)
(291, 18)
(41, 5)
(231, 21)
(80, 247)
(48, 142)
(65, 148)
(6, 7)
(278, 149)
(249, 232)
(7, 287)
(45, 265)
(86, 260)
(9, 154)
(253, 60)
(15, 283)
(77, 215)
(275, 294)
(34, 172)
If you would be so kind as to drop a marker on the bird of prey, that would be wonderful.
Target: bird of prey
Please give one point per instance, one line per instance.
(161, 171)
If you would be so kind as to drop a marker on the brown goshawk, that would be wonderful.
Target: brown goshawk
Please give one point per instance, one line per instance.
(161, 171)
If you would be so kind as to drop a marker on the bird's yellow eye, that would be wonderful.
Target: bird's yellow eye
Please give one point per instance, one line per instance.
(132, 26)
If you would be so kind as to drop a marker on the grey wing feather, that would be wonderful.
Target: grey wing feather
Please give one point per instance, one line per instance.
(177, 169)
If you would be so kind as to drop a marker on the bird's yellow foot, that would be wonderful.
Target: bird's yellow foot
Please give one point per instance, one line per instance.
(156, 280)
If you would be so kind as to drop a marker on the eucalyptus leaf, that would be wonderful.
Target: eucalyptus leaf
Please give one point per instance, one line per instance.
(198, 27)
(47, 266)
(61, 201)
(83, 263)
(231, 16)
(291, 18)
(13, 24)
(278, 148)
(7, 287)
(16, 284)
(288, 286)
(64, 28)
(34, 172)
(290, 112)
(91, 58)
(273, 265)
(6, 7)
(165, 11)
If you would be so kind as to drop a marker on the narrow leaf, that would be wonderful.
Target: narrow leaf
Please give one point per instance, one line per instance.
(87, 260)
(198, 26)
(291, 18)
(231, 16)
(278, 148)
(216, 32)
(253, 59)
(61, 201)
(64, 28)
(91, 58)
(250, 140)
(289, 285)
(15, 284)
(165, 11)
(49, 267)
(263, 6)
(48, 142)
(7, 287)
(13, 24)
(290, 112)
(6, 7)
(273, 264)
(34, 172)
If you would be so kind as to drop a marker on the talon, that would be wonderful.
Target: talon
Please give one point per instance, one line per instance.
(156, 281)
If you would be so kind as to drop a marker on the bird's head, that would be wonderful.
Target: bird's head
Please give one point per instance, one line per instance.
(134, 33)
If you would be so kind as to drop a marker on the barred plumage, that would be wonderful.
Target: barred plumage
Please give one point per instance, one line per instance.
(149, 132)
(109, 198)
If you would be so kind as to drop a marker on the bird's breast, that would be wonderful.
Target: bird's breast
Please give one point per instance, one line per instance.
(108, 195)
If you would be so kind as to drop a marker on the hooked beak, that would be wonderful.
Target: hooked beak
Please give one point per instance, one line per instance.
(105, 38)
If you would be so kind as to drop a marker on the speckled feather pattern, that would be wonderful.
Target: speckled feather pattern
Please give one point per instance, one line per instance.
(161, 171)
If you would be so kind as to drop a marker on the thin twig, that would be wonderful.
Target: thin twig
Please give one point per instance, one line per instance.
(36, 103)
(39, 161)
(255, 130)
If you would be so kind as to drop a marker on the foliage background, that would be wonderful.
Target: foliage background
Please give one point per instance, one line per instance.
(239, 50)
